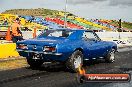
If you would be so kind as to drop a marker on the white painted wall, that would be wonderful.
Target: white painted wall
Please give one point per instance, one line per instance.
(114, 34)
(29, 34)
(102, 35)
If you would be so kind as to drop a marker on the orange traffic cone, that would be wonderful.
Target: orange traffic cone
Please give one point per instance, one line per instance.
(8, 35)
(34, 33)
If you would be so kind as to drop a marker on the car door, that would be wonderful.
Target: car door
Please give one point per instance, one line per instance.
(94, 47)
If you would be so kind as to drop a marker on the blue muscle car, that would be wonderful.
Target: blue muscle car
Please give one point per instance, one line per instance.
(68, 46)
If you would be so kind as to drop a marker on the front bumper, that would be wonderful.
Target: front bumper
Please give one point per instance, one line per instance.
(46, 53)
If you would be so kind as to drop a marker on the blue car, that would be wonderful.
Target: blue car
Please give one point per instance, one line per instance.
(68, 46)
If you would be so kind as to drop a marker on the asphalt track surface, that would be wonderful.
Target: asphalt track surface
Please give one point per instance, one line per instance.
(57, 76)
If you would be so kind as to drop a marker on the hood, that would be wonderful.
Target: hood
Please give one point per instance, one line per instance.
(111, 43)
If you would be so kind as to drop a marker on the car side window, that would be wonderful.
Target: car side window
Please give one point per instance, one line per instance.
(90, 36)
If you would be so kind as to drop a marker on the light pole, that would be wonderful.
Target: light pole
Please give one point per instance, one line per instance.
(65, 22)
(119, 30)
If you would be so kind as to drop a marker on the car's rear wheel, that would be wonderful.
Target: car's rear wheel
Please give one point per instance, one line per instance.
(34, 63)
(110, 57)
(75, 61)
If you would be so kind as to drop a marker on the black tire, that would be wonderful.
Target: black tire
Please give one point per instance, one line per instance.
(110, 57)
(70, 63)
(34, 63)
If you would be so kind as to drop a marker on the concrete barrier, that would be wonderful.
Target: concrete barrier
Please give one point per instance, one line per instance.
(115, 34)
(120, 38)
(8, 50)
(29, 34)
(107, 36)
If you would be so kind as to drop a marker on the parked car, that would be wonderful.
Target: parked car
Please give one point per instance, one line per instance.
(68, 46)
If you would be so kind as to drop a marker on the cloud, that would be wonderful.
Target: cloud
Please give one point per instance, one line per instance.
(110, 2)
(85, 1)
(120, 2)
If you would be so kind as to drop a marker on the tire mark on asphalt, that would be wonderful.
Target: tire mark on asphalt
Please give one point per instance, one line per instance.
(28, 73)
(23, 77)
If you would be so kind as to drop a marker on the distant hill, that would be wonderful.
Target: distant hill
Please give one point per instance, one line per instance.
(36, 12)
(125, 24)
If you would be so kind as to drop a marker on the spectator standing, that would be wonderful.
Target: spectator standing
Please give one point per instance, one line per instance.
(16, 33)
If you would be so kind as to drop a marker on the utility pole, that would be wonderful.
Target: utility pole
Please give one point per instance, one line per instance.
(119, 28)
(120, 23)
(65, 22)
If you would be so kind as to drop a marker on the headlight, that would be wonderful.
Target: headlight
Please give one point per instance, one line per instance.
(22, 46)
(49, 49)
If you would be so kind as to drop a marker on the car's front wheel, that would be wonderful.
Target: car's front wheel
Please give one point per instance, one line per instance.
(110, 57)
(75, 61)
(34, 63)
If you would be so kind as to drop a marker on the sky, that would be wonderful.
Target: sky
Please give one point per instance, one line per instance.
(90, 9)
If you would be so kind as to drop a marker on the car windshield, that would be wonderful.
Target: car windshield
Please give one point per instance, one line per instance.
(55, 33)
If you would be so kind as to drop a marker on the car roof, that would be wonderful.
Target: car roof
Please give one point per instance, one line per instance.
(71, 29)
